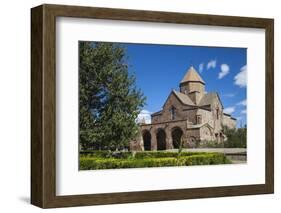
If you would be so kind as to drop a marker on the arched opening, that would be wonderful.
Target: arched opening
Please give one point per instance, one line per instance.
(221, 137)
(146, 136)
(176, 137)
(192, 142)
(161, 139)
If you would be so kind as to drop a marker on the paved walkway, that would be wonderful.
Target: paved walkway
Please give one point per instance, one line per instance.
(221, 150)
(236, 155)
(238, 161)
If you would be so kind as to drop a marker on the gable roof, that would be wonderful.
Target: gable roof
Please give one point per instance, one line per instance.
(198, 126)
(183, 98)
(157, 113)
(208, 98)
(228, 115)
(192, 75)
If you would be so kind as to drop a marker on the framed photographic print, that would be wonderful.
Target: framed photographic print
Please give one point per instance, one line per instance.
(136, 106)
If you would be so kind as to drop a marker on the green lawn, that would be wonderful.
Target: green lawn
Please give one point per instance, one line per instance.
(92, 160)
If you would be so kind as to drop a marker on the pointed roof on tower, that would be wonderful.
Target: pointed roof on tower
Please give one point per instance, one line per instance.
(192, 75)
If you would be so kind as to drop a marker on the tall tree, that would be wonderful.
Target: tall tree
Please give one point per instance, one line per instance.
(236, 138)
(109, 101)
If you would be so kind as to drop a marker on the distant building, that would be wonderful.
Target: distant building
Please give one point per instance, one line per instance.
(190, 115)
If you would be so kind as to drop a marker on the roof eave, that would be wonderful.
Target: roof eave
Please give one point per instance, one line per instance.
(185, 82)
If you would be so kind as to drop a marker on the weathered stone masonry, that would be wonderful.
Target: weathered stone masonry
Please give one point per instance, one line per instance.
(190, 115)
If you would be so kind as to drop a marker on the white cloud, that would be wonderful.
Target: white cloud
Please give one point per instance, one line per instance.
(229, 110)
(144, 116)
(224, 71)
(201, 67)
(212, 64)
(241, 78)
(244, 111)
(229, 95)
(243, 103)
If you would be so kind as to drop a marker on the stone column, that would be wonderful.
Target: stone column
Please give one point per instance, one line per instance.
(169, 140)
(185, 138)
(153, 140)
(141, 143)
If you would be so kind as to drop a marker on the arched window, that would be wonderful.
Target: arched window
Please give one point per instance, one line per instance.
(217, 112)
(173, 113)
(198, 119)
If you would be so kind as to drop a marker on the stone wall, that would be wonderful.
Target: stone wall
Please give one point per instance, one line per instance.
(188, 87)
(206, 134)
(216, 105)
(191, 136)
(229, 122)
(165, 115)
(168, 128)
(207, 116)
(185, 119)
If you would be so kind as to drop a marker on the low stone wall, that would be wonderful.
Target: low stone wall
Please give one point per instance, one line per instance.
(237, 157)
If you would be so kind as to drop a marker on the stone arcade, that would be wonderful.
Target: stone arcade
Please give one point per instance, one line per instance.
(190, 115)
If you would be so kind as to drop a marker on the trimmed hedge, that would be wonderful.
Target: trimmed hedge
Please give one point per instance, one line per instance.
(138, 155)
(95, 153)
(89, 163)
(157, 154)
(106, 154)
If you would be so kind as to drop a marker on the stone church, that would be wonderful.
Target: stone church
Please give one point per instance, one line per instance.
(190, 115)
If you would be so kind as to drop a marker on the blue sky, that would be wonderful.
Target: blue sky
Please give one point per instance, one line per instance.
(160, 68)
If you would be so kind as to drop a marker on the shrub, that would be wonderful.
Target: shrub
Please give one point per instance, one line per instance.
(95, 153)
(171, 159)
(210, 144)
(137, 155)
(236, 138)
(91, 163)
(106, 154)
(163, 154)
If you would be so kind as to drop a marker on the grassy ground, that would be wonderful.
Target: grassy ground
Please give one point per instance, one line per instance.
(116, 160)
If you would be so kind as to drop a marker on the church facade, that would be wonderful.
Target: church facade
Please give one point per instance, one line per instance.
(189, 115)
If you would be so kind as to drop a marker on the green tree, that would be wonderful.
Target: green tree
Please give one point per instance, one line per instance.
(236, 138)
(109, 101)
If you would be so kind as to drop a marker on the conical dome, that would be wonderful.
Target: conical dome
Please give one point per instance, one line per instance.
(192, 76)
